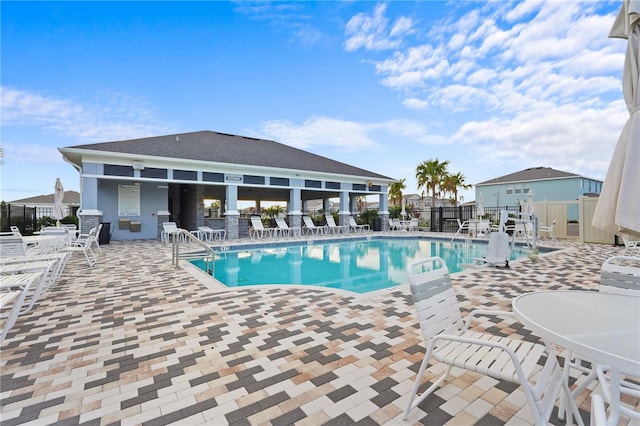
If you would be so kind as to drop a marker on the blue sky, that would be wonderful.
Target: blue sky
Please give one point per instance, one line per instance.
(493, 87)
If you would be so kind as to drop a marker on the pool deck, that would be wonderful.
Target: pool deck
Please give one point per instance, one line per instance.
(136, 341)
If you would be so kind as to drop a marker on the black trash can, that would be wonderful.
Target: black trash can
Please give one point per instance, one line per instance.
(105, 233)
(377, 224)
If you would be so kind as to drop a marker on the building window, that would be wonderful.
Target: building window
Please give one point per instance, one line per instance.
(279, 181)
(509, 189)
(152, 172)
(256, 180)
(185, 175)
(332, 185)
(212, 177)
(115, 170)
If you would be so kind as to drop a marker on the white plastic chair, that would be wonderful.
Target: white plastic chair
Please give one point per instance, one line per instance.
(311, 228)
(169, 231)
(449, 340)
(211, 234)
(257, 229)
(84, 245)
(353, 226)
(630, 247)
(331, 223)
(549, 230)
(284, 229)
(13, 291)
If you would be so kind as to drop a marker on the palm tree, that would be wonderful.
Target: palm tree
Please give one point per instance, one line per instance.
(395, 191)
(451, 184)
(430, 174)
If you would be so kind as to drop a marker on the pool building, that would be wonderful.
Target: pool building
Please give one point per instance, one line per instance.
(136, 185)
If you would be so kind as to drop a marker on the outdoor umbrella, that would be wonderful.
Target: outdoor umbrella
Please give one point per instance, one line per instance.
(58, 195)
(480, 205)
(618, 208)
(403, 213)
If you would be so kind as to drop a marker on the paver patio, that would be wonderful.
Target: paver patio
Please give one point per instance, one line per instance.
(136, 341)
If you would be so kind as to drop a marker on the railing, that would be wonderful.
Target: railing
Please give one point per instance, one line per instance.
(182, 235)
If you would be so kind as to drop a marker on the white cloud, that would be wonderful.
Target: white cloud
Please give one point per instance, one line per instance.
(320, 132)
(372, 32)
(120, 117)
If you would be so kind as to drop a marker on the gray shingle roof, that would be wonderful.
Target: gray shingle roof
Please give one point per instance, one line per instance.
(70, 197)
(531, 174)
(231, 149)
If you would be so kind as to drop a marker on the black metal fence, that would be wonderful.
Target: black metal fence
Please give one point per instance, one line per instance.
(27, 219)
(23, 217)
(445, 219)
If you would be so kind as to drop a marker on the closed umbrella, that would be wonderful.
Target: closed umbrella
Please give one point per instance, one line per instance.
(480, 205)
(403, 213)
(58, 196)
(618, 208)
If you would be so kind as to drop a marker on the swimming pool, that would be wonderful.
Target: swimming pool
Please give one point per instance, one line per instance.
(360, 266)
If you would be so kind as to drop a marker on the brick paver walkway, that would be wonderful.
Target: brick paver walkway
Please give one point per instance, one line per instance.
(136, 341)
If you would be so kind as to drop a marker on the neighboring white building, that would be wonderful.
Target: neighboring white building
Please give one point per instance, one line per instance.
(44, 203)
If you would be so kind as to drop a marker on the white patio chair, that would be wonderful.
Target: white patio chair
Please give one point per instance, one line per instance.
(211, 234)
(13, 291)
(549, 230)
(631, 248)
(84, 246)
(331, 223)
(353, 226)
(619, 275)
(169, 232)
(311, 228)
(16, 230)
(449, 340)
(284, 229)
(257, 228)
(12, 245)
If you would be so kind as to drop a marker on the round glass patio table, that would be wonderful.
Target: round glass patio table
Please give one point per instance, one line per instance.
(601, 327)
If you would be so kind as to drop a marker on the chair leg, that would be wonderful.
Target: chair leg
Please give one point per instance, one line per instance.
(411, 404)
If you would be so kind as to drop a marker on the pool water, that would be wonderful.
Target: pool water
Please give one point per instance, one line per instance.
(359, 266)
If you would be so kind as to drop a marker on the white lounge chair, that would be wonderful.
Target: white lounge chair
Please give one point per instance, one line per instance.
(169, 231)
(449, 340)
(311, 228)
(257, 229)
(619, 275)
(284, 229)
(549, 230)
(211, 234)
(12, 245)
(331, 223)
(14, 291)
(353, 226)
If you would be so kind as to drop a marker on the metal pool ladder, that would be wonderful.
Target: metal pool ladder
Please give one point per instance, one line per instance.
(207, 253)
